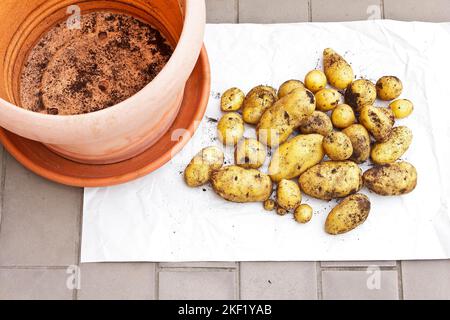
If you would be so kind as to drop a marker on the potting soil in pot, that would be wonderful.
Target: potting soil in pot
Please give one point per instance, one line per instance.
(107, 60)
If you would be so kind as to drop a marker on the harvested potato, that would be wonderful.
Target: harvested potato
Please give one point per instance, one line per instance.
(199, 170)
(269, 205)
(331, 179)
(339, 73)
(360, 93)
(392, 149)
(318, 122)
(230, 128)
(376, 122)
(327, 99)
(389, 88)
(232, 100)
(237, 184)
(289, 196)
(343, 116)
(348, 214)
(289, 86)
(279, 121)
(303, 213)
(401, 108)
(360, 142)
(272, 90)
(337, 146)
(281, 211)
(257, 101)
(315, 81)
(388, 112)
(391, 179)
(296, 156)
(250, 154)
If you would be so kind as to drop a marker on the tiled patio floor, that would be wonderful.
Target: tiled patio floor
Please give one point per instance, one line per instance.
(41, 221)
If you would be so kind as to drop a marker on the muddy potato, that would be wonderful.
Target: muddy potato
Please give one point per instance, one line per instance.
(360, 142)
(237, 184)
(315, 81)
(296, 156)
(401, 108)
(331, 179)
(389, 88)
(269, 205)
(392, 149)
(232, 100)
(272, 90)
(348, 214)
(391, 179)
(339, 73)
(327, 99)
(318, 122)
(390, 114)
(343, 116)
(289, 86)
(303, 213)
(280, 120)
(199, 170)
(337, 146)
(250, 154)
(377, 122)
(256, 103)
(230, 128)
(360, 93)
(289, 196)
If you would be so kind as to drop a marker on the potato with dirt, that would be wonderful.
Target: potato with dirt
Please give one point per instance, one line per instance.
(230, 128)
(237, 184)
(199, 170)
(391, 179)
(338, 71)
(401, 108)
(389, 88)
(331, 179)
(289, 196)
(348, 214)
(289, 86)
(392, 149)
(343, 116)
(257, 101)
(360, 93)
(250, 154)
(360, 139)
(377, 122)
(303, 213)
(319, 122)
(232, 100)
(337, 146)
(315, 81)
(269, 205)
(327, 99)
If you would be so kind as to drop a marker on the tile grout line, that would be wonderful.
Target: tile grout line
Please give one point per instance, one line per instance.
(238, 280)
(80, 235)
(237, 8)
(357, 268)
(319, 281)
(310, 17)
(383, 13)
(33, 267)
(400, 281)
(157, 270)
(199, 269)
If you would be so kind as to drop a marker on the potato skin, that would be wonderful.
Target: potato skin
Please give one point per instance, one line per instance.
(360, 93)
(360, 139)
(303, 213)
(376, 122)
(318, 122)
(279, 121)
(241, 185)
(343, 116)
(337, 146)
(391, 179)
(269, 205)
(315, 81)
(289, 86)
(348, 214)
(230, 128)
(250, 154)
(296, 156)
(289, 196)
(401, 108)
(339, 73)
(389, 88)
(232, 100)
(257, 101)
(199, 170)
(390, 114)
(393, 148)
(327, 99)
(331, 179)
(272, 90)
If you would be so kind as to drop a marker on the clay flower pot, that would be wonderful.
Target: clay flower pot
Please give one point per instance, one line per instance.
(121, 131)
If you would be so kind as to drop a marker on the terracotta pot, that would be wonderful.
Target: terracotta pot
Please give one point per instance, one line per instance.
(121, 131)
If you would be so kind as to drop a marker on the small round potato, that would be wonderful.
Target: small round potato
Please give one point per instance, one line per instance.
(230, 128)
(315, 81)
(257, 101)
(343, 116)
(281, 211)
(327, 99)
(199, 170)
(401, 108)
(360, 93)
(232, 100)
(269, 205)
(389, 88)
(303, 213)
(318, 122)
(250, 154)
(289, 86)
(289, 196)
(338, 146)
(360, 139)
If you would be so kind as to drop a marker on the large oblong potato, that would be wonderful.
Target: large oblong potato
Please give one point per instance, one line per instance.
(389, 88)
(377, 122)
(289, 196)
(289, 86)
(295, 156)
(241, 185)
(360, 93)
(257, 101)
(391, 179)
(360, 139)
(392, 149)
(331, 179)
(199, 170)
(339, 73)
(230, 128)
(319, 122)
(348, 214)
(337, 146)
(232, 100)
(280, 120)
(250, 154)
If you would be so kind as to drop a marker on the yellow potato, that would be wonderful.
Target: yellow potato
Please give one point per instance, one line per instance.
(331, 179)
(348, 214)
(327, 99)
(232, 100)
(256, 103)
(360, 142)
(376, 122)
(390, 114)
(230, 128)
(289, 86)
(360, 93)
(391, 179)
(296, 156)
(392, 149)
(389, 88)
(280, 120)
(241, 185)
(343, 116)
(337, 146)
(269, 205)
(289, 196)
(401, 108)
(318, 122)
(315, 81)
(281, 211)
(272, 90)
(303, 213)
(250, 154)
(339, 73)
(199, 170)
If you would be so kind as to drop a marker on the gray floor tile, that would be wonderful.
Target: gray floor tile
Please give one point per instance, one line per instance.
(269, 11)
(345, 10)
(222, 11)
(410, 10)
(328, 264)
(198, 265)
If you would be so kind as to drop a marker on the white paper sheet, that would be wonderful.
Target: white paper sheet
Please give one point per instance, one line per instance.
(158, 218)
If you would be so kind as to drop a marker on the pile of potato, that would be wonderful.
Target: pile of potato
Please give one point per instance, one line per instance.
(319, 143)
